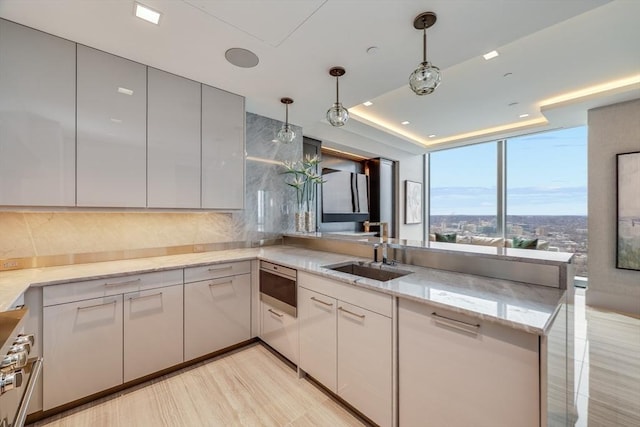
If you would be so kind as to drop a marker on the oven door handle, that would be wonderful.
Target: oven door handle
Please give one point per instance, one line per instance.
(36, 369)
(277, 273)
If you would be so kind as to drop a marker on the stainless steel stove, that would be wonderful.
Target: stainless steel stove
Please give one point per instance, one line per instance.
(18, 372)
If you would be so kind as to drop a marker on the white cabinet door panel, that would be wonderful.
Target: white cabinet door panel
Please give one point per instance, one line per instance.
(82, 349)
(37, 118)
(223, 150)
(489, 377)
(318, 336)
(111, 122)
(365, 362)
(217, 314)
(280, 331)
(152, 331)
(173, 157)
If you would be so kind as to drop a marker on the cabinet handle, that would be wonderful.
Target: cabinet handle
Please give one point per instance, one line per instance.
(273, 312)
(97, 305)
(228, 282)
(456, 324)
(130, 282)
(328, 304)
(362, 316)
(228, 267)
(145, 296)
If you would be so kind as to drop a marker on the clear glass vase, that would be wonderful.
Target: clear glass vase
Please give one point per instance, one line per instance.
(310, 221)
(299, 218)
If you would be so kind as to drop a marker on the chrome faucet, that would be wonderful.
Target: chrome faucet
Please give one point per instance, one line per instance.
(384, 233)
(384, 252)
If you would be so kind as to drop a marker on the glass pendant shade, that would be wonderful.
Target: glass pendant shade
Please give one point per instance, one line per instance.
(337, 115)
(425, 79)
(286, 135)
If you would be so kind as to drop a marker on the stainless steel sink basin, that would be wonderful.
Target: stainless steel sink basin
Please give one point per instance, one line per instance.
(373, 271)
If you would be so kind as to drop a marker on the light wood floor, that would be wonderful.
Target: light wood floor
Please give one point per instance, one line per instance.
(251, 387)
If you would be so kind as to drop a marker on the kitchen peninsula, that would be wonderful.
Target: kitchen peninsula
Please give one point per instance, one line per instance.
(449, 338)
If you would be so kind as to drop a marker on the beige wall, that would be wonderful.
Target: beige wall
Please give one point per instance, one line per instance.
(613, 129)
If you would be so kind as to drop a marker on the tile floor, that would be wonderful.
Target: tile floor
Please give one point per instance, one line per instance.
(607, 367)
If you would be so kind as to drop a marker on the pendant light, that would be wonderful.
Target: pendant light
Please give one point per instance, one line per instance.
(286, 135)
(337, 115)
(426, 78)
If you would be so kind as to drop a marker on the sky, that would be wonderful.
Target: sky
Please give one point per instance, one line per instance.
(546, 175)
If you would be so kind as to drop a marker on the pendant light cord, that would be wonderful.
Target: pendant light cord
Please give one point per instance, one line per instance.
(337, 91)
(424, 44)
(286, 115)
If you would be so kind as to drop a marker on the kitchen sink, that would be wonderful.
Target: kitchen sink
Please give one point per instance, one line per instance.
(369, 270)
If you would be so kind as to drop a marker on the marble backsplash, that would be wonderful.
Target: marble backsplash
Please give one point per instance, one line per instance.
(269, 207)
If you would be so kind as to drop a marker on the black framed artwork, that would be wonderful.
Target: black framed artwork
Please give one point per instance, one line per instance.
(628, 204)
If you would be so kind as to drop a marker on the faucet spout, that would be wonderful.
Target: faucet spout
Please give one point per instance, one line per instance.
(384, 228)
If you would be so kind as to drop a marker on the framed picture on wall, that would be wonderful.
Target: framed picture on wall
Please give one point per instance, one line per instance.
(628, 199)
(412, 202)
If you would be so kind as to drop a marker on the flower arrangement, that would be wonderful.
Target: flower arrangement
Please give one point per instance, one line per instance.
(303, 177)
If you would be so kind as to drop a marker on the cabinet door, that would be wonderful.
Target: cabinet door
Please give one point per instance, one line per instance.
(318, 336)
(152, 330)
(457, 374)
(173, 127)
(365, 362)
(280, 331)
(37, 118)
(111, 115)
(82, 349)
(217, 314)
(222, 149)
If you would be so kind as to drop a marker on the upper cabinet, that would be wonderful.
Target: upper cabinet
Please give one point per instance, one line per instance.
(111, 115)
(223, 149)
(81, 127)
(173, 131)
(37, 118)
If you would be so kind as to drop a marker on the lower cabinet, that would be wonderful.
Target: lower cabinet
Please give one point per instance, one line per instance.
(152, 331)
(217, 314)
(82, 348)
(346, 343)
(100, 333)
(280, 331)
(458, 371)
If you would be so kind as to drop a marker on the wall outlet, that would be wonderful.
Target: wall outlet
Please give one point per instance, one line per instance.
(10, 264)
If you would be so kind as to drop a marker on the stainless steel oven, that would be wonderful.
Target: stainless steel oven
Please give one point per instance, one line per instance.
(18, 372)
(278, 287)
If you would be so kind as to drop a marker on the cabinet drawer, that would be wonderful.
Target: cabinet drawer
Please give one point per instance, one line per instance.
(77, 291)
(213, 271)
(280, 331)
(365, 298)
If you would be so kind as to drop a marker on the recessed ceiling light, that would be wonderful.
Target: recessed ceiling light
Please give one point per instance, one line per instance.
(241, 57)
(125, 91)
(490, 55)
(146, 13)
(433, 135)
(373, 50)
(367, 103)
(114, 120)
(405, 122)
(522, 116)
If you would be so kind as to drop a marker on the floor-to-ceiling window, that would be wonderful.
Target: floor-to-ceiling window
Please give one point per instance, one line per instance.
(543, 201)
(547, 191)
(463, 198)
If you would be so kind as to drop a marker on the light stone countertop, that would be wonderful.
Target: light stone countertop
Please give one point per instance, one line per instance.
(521, 306)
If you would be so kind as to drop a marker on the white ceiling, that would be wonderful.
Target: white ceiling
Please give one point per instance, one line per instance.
(550, 46)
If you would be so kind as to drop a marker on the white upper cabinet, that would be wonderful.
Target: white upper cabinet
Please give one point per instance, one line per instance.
(173, 132)
(223, 149)
(37, 118)
(111, 130)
